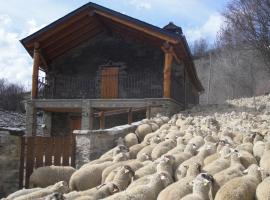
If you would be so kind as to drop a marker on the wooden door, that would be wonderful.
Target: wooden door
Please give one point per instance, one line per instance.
(109, 82)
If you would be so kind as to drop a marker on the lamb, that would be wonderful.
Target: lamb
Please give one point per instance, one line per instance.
(201, 188)
(60, 187)
(98, 192)
(148, 191)
(263, 190)
(49, 175)
(88, 177)
(182, 187)
(131, 139)
(162, 148)
(241, 188)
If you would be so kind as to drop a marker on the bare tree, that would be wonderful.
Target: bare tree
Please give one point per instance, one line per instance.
(248, 22)
(199, 47)
(11, 96)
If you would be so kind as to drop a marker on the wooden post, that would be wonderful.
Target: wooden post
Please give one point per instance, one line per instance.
(130, 116)
(102, 120)
(168, 50)
(36, 64)
(148, 112)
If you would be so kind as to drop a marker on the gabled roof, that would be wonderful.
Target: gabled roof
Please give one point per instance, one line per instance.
(92, 19)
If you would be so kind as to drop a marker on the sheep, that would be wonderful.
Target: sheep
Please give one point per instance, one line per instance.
(131, 139)
(258, 149)
(148, 169)
(22, 192)
(133, 151)
(98, 192)
(241, 188)
(121, 157)
(247, 158)
(165, 165)
(220, 164)
(199, 158)
(134, 164)
(163, 148)
(263, 190)
(55, 196)
(235, 170)
(112, 152)
(201, 188)
(182, 187)
(145, 153)
(147, 191)
(142, 130)
(123, 177)
(88, 177)
(49, 175)
(60, 187)
(265, 160)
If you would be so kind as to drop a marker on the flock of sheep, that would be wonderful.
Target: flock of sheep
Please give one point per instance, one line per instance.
(218, 152)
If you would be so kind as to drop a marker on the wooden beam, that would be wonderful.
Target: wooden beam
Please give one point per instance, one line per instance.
(137, 27)
(36, 64)
(98, 19)
(168, 50)
(102, 120)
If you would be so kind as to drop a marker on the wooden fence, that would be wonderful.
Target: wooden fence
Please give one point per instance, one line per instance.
(38, 151)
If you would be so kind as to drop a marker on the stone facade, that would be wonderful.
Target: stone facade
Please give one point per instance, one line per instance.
(9, 163)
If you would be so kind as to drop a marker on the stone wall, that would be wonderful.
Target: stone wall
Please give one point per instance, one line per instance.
(9, 163)
(90, 144)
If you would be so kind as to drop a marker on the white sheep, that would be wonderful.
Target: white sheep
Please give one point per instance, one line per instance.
(263, 190)
(148, 169)
(142, 130)
(145, 153)
(88, 177)
(163, 148)
(60, 187)
(201, 188)
(131, 139)
(182, 187)
(265, 160)
(49, 175)
(123, 177)
(22, 192)
(241, 188)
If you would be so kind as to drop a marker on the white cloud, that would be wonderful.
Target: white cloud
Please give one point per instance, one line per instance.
(141, 4)
(208, 30)
(15, 63)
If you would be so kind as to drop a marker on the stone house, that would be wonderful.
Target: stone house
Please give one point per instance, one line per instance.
(97, 60)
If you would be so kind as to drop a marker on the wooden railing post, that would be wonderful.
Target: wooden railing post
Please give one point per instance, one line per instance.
(130, 116)
(102, 120)
(36, 64)
(168, 51)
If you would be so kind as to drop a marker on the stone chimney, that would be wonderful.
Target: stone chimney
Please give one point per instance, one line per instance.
(171, 27)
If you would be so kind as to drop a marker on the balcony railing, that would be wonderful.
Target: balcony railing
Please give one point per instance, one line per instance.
(135, 85)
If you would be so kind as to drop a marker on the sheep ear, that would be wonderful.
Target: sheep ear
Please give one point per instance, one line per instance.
(162, 177)
(260, 169)
(126, 171)
(245, 171)
(239, 155)
(205, 182)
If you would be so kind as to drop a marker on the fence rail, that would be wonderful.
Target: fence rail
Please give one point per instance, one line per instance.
(135, 85)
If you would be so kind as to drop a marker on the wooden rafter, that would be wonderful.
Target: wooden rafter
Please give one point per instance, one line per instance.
(139, 28)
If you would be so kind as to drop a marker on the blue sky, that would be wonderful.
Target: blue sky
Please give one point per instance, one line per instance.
(19, 18)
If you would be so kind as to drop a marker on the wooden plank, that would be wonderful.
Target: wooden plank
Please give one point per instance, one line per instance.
(29, 159)
(137, 27)
(73, 151)
(22, 161)
(109, 82)
(48, 150)
(58, 146)
(39, 151)
(67, 149)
